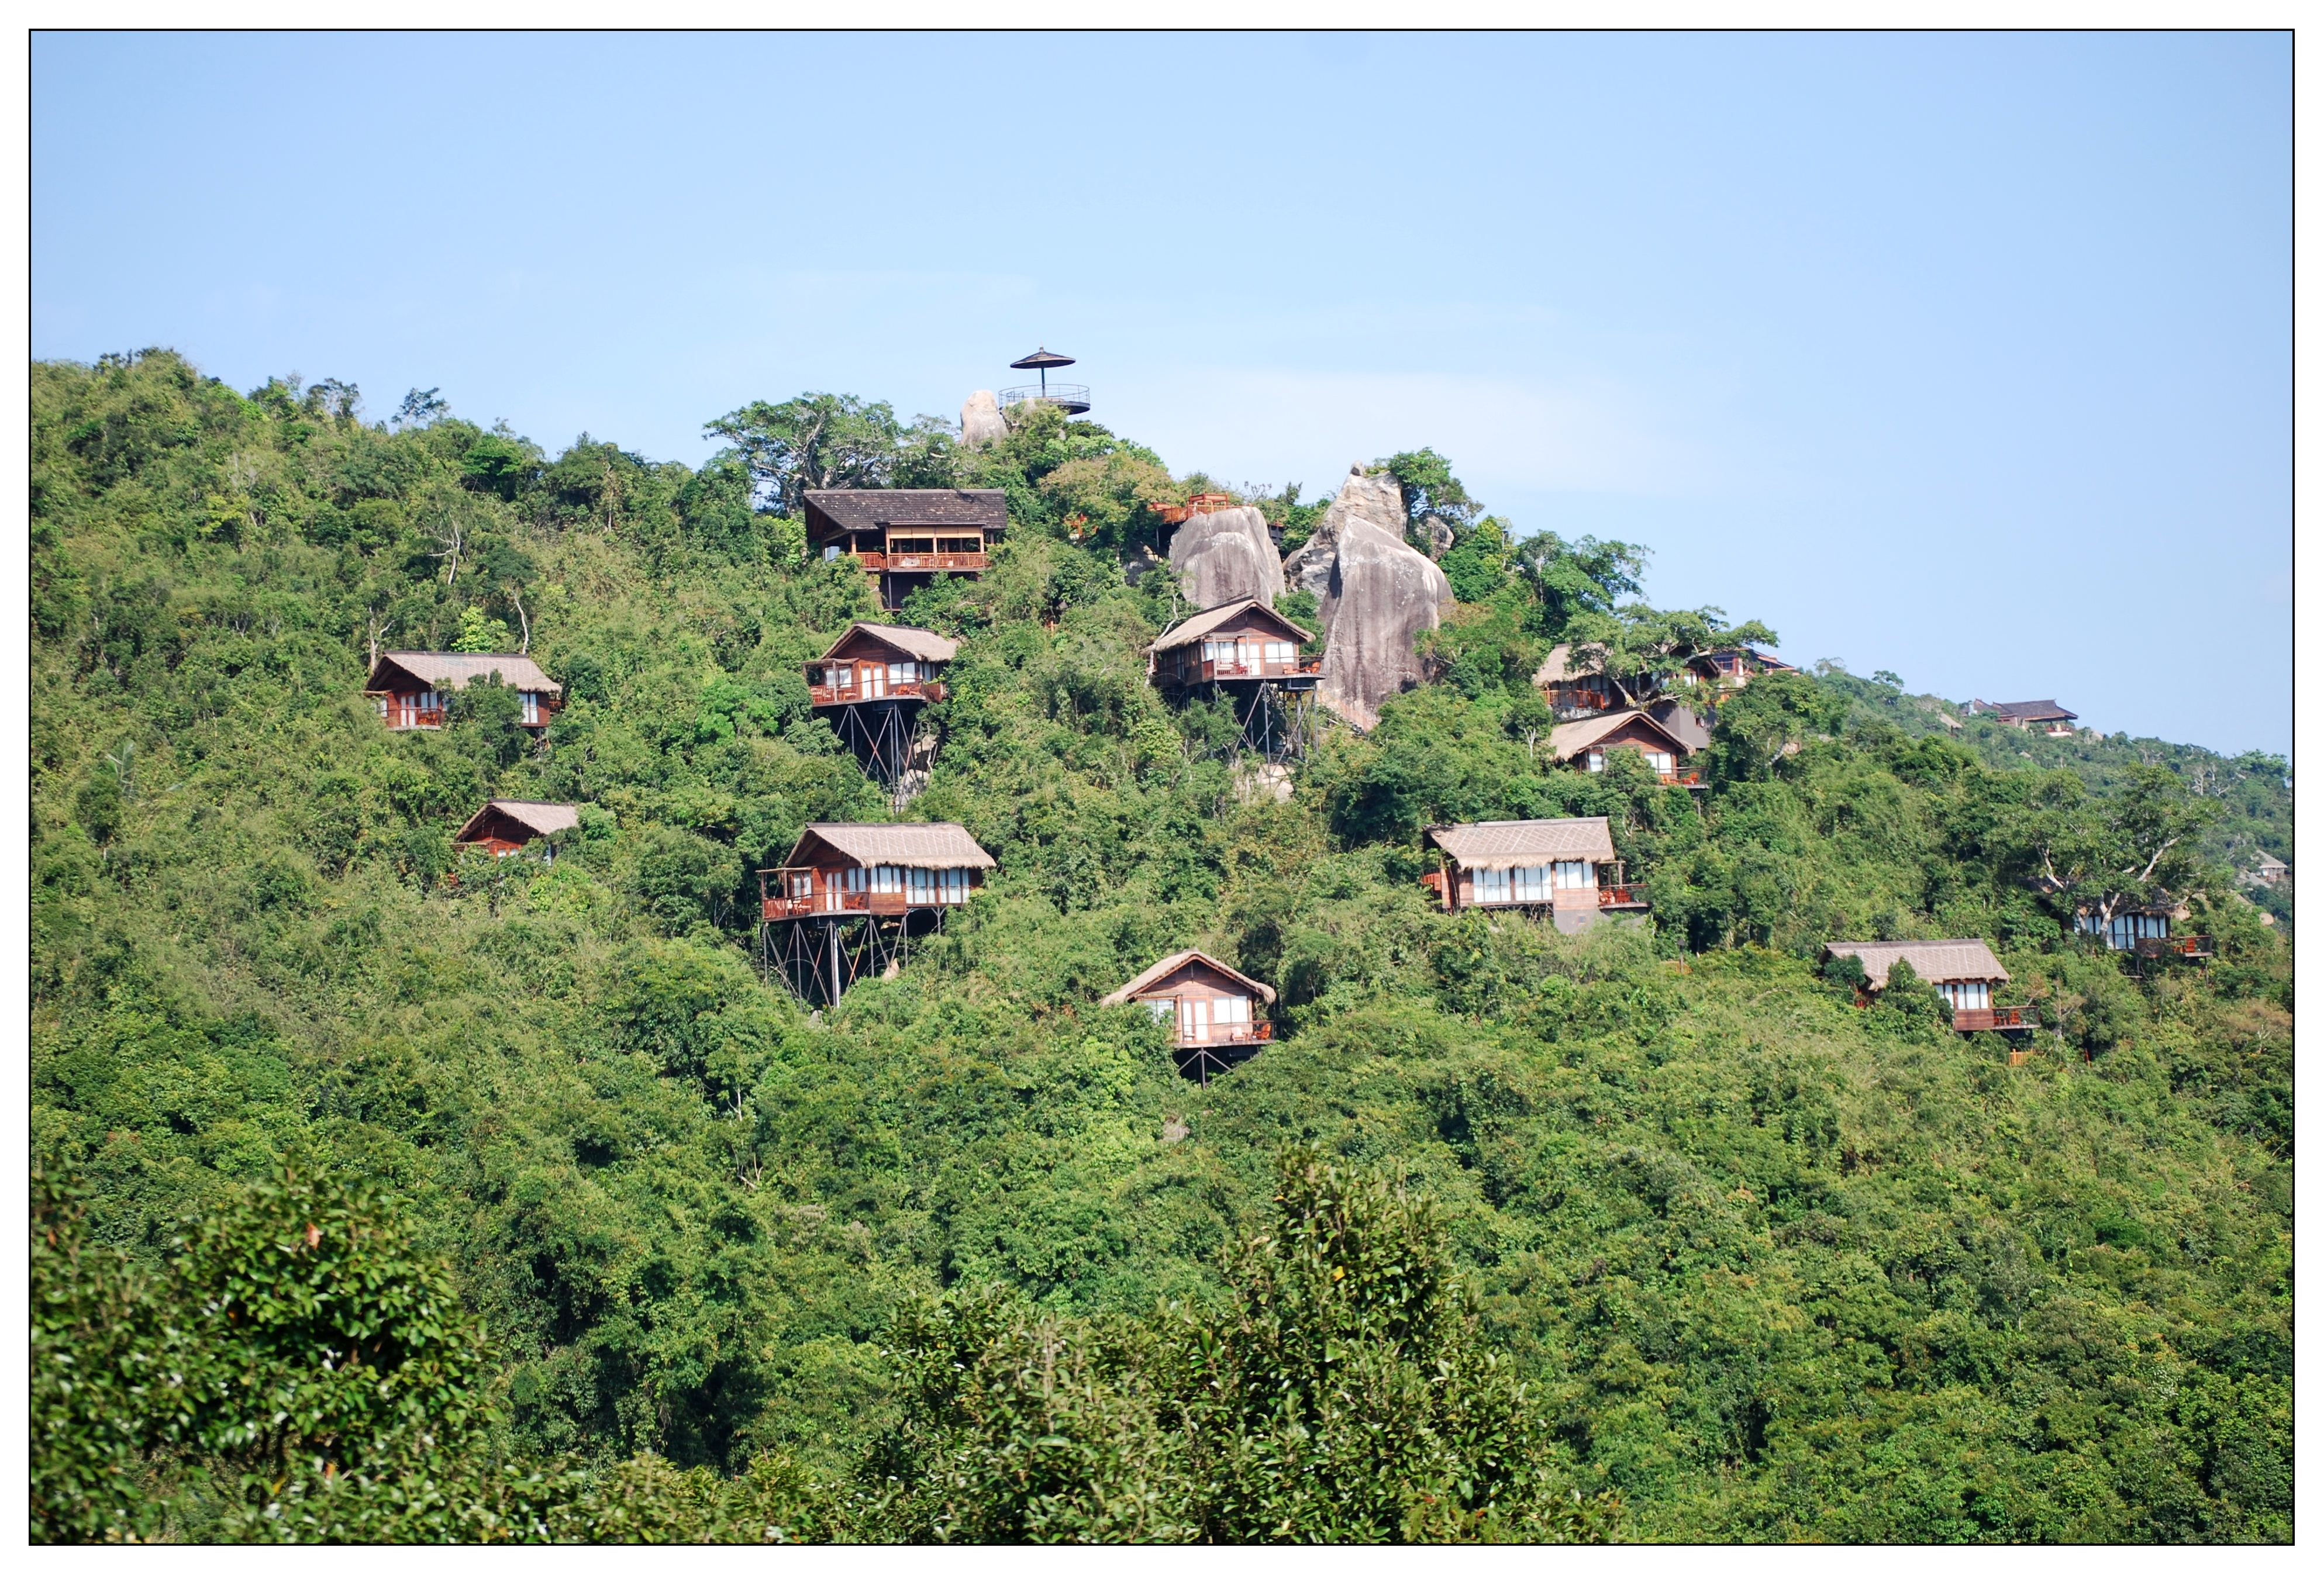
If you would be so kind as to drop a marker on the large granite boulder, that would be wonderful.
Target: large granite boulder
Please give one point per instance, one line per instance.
(1380, 595)
(1226, 555)
(980, 421)
(1376, 499)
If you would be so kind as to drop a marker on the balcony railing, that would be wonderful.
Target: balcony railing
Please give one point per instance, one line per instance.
(1687, 778)
(1230, 1034)
(929, 689)
(1622, 897)
(2000, 1018)
(1074, 398)
(2194, 946)
(970, 562)
(1209, 672)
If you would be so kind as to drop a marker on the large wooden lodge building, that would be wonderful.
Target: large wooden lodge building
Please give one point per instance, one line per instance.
(903, 537)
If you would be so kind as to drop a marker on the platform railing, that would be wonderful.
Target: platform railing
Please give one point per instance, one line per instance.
(929, 689)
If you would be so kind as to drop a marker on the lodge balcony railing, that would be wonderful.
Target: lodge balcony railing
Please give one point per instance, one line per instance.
(2000, 1018)
(929, 689)
(2192, 946)
(1230, 1034)
(923, 562)
(1624, 896)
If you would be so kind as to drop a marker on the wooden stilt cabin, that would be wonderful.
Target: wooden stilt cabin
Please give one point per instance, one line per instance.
(850, 898)
(1564, 867)
(1247, 649)
(872, 686)
(1586, 744)
(410, 686)
(504, 826)
(1965, 974)
(903, 537)
(1216, 1014)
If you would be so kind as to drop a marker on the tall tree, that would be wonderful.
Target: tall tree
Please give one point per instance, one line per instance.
(813, 441)
(1641, 648)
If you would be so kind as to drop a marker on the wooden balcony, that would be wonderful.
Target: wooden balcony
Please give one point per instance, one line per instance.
(1230, 1034)
(1213, 672)
(2194, 947)
(929, 689)
(920, 562)
(1685, 777)
(2003, 1019)
(1622, 897)
(399, 720)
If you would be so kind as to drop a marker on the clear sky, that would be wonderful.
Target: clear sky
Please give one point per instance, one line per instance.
(1965, 356)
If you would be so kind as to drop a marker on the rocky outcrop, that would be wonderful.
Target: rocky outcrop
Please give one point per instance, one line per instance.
(1379, 595)
(1376, 499)
(1438, 533)
(1226, 555)
(980, 421)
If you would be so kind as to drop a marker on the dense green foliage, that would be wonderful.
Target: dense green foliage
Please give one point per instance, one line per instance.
(1646, 1232)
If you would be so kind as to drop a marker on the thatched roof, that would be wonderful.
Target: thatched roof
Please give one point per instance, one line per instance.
(1937, 962)
(1172, 964)
(528, 815)
(1510, 844)
(925, 846)
(457, 670)
(1569, 739)
(1197, 625)
(914, 642)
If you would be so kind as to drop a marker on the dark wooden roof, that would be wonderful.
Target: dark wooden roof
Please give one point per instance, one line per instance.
(1040, 358)
(830, 512)
(2026, 709)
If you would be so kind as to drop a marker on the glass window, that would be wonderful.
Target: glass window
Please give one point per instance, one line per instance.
(1530, 883)
(1491, 886)
(1574, 874)
(1597, 759)
(1162, 1009)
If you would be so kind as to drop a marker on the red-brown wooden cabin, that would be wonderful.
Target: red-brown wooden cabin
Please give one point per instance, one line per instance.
(903, 537)
(410, 685)
(1575, 691)
(1213, 1009)
(1585, 744)
(1244, 639)
(1566, 867)
(505, 825)
(1966, 973)
(880, 661)
(836, 869)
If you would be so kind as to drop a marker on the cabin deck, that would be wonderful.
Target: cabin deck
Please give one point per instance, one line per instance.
(2002, 1020)
(927, 690)
(1213, 672)
(1258, 1033)
(2196, 947)
(966, 563)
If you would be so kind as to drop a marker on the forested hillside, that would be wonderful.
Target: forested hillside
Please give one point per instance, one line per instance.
(1646, 1233)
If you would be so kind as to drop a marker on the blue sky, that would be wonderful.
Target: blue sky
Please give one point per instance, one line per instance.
(1965, 356)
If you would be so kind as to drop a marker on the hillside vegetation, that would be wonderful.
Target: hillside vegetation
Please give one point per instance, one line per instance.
(383, 1195)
